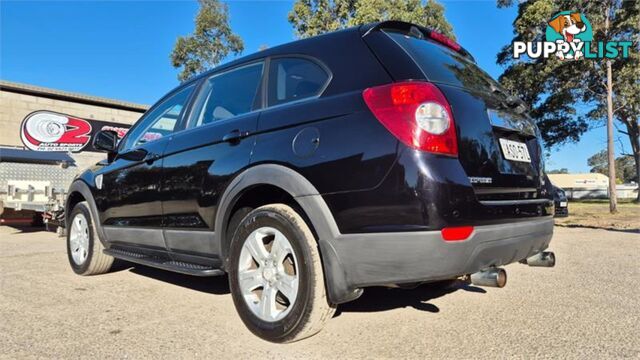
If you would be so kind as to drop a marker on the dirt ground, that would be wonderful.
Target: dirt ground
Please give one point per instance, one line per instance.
(595, 214)
(588, 306)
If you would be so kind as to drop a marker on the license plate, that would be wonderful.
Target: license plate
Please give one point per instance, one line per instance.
(515, 150)
(563, 204)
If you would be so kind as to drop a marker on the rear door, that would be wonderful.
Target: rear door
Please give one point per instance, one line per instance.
(202, 159)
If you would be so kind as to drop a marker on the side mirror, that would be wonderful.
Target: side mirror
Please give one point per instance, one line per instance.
(106, 140)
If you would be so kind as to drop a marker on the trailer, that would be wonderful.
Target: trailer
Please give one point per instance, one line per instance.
(33, 184)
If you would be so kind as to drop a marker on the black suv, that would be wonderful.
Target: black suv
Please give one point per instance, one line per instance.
(376, 155)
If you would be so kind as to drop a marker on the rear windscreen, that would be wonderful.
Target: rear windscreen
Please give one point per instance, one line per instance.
(442, 65)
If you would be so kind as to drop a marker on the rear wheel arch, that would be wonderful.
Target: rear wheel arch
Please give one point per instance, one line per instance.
(307, 201)
(250, 198)
(267, 184)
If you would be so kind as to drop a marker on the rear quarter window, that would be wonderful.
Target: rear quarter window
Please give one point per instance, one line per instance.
(292, 79)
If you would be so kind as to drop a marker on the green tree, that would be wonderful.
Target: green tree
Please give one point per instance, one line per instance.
(566, 96)
(315, 17)
(625, 169)
(599, 162)
(625, 166)
(209, 44)
(558, 171)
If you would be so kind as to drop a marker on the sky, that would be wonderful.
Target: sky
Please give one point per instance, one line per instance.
(120, 49)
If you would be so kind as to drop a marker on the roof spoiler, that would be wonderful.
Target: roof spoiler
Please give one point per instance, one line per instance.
(417, 31)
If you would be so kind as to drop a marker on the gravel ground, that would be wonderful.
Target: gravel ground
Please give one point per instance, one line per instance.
(588, 306)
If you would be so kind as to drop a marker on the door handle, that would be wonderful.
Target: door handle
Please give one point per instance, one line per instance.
(235, 136)
(151, 157)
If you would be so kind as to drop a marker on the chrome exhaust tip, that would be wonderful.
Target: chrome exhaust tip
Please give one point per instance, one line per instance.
(493, 277)
(542, 259)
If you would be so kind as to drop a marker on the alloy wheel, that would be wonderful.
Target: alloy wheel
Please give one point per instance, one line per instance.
(79, 239)
(268, 274)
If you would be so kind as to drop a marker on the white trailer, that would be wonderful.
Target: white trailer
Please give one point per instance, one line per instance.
(35, 181)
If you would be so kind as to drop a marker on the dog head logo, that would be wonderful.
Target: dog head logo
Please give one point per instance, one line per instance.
(569, 27)
(48, 131)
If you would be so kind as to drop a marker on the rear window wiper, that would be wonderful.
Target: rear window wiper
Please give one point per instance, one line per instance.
(509, 101)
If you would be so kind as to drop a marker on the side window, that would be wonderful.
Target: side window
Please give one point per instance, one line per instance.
(292, 79)
(161, 121)
(228, 94)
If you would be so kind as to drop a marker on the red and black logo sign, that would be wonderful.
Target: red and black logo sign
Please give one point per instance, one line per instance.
(50, 131)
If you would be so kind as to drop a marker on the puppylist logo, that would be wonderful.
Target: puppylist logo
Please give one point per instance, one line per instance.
(569, 36)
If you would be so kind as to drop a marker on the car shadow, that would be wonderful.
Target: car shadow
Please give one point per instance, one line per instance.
(374, 299)
(377, 299)
(20, 229)
(217, 285)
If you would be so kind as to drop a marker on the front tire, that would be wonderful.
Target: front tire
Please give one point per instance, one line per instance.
(276, 277)
(84, 249)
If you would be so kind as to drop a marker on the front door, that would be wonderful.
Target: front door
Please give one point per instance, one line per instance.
(202, 159)
(128, 189)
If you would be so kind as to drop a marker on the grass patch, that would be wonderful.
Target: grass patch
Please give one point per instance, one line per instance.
(595, 214)
(602, 201)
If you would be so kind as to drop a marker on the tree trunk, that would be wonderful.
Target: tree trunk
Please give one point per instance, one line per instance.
(636, 157)
(634, 138)
(613, 197)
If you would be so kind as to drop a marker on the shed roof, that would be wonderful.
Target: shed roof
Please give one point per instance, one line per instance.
(579, 180)
(34, 157)
(70, 96)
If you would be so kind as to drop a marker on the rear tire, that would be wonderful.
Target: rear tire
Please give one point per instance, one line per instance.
(84, 249)
(264, 234)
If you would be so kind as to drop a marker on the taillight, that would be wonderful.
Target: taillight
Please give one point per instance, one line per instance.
(417, 113)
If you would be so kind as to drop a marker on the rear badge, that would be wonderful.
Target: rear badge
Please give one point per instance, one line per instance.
(480, 180)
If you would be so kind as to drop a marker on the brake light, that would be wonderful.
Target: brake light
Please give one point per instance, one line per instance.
(416, 113)
(456, 233)
(442, 39)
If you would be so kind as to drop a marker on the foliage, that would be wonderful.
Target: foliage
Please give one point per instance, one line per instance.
(558, 171)
(315, 17)
(569, 96)
(209, 44)
(625, 169)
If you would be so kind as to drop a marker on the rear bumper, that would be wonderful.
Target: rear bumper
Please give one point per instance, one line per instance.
(360, 260)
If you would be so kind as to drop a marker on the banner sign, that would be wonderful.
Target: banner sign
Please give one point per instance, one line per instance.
(569, 36)
(51, 131)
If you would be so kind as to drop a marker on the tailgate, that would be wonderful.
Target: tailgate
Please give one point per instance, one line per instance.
(498, 143)
(498, 148)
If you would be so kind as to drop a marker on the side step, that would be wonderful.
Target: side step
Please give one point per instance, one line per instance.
(163, 263)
